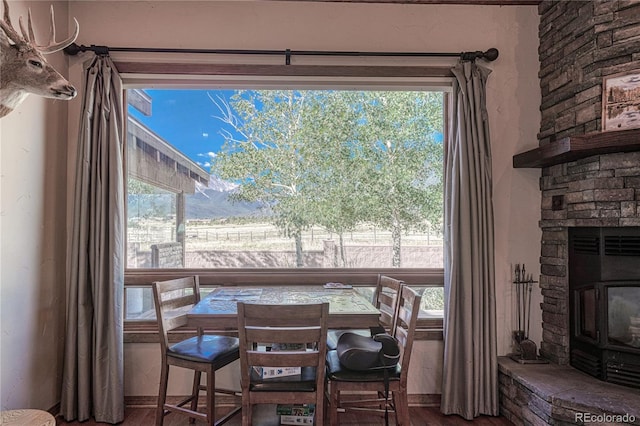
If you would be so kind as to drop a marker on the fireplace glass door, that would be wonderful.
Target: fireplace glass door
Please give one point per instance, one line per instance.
(588, 313)
(623, 316)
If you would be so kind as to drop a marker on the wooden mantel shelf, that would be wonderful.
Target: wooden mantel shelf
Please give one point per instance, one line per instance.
(573, 148)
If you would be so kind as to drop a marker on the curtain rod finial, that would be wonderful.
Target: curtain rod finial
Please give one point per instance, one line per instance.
(491, 54)
(73, 49)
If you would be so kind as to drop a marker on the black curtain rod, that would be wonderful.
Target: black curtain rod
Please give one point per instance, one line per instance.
(73, 49)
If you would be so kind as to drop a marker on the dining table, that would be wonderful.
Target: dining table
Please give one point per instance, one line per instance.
(347, 307)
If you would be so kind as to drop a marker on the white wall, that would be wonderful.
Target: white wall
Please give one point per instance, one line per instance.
(513, 100)
(33, 145)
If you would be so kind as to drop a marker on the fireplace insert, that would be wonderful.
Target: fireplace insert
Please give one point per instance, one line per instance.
(604, 288)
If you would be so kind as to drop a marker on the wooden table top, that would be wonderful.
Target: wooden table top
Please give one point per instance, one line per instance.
(347, 307)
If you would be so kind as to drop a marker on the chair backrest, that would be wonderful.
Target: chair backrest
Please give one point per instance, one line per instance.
(173, 299)
(387, 296)
(288, 326)
(405, 326)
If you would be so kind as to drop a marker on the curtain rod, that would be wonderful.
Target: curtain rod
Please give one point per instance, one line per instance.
(73, 49)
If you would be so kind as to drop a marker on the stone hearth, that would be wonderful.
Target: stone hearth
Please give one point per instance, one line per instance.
(540, 394)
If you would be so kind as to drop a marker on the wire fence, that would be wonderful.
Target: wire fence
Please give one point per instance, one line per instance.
(262, 236)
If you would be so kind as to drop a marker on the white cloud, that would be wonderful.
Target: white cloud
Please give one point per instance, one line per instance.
(207, 154)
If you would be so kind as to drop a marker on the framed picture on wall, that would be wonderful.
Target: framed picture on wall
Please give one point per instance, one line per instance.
(621, 101)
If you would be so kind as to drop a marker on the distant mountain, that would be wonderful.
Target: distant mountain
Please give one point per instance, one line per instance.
(216, 184)
(213, 202)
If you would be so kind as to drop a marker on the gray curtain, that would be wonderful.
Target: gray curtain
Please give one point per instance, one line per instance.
(93, 382)
(470, 375)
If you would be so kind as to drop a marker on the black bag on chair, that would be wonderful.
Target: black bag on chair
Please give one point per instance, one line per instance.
(364, 353)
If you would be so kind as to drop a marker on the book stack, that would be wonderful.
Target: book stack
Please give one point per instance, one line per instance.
(296, 414)
(275, 372)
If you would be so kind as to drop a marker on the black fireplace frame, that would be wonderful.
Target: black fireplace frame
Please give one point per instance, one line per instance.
(600, 259)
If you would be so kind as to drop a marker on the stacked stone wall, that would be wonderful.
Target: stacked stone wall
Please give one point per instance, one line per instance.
(581, 42)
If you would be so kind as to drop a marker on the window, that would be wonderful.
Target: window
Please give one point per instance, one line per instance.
(263, 185)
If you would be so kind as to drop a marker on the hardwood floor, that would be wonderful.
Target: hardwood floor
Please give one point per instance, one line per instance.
(420, 416)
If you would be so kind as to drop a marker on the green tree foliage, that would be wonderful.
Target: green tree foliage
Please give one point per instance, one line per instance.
(135, 186)
(337, 159)
(331, 139)
(404, 161)
(267, 158)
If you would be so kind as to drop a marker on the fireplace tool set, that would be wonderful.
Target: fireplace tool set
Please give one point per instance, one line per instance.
(526, 350)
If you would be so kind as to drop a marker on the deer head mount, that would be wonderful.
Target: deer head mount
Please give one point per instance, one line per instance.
(24, 70)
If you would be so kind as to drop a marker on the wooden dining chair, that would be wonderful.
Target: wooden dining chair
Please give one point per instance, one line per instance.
(282, 336)
(376, 391)
(386, 297)
(202, 353)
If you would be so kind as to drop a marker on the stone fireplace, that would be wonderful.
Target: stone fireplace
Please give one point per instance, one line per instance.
(598, 191)
(581, 42)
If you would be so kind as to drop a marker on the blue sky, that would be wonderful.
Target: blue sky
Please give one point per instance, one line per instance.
(187, 120)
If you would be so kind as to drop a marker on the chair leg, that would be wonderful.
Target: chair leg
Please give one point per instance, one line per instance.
(162, 394)
(334, 404)
(195, 393)
(320, 409)
(402, 407)
(246, 409)
(211, 396)
(325, 405)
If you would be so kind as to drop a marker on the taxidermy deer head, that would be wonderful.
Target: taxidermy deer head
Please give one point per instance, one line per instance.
(24, 70)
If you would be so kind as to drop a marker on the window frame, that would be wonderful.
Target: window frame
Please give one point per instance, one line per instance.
(137, 74)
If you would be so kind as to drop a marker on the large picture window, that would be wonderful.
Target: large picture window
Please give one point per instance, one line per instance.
(284, 179)
(271, 186)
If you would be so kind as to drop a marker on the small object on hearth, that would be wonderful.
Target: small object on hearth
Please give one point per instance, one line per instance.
(528, 350)
(524, 286)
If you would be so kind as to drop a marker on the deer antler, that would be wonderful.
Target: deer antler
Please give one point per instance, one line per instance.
(7, 27)
(28, 37)
(52, 46)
